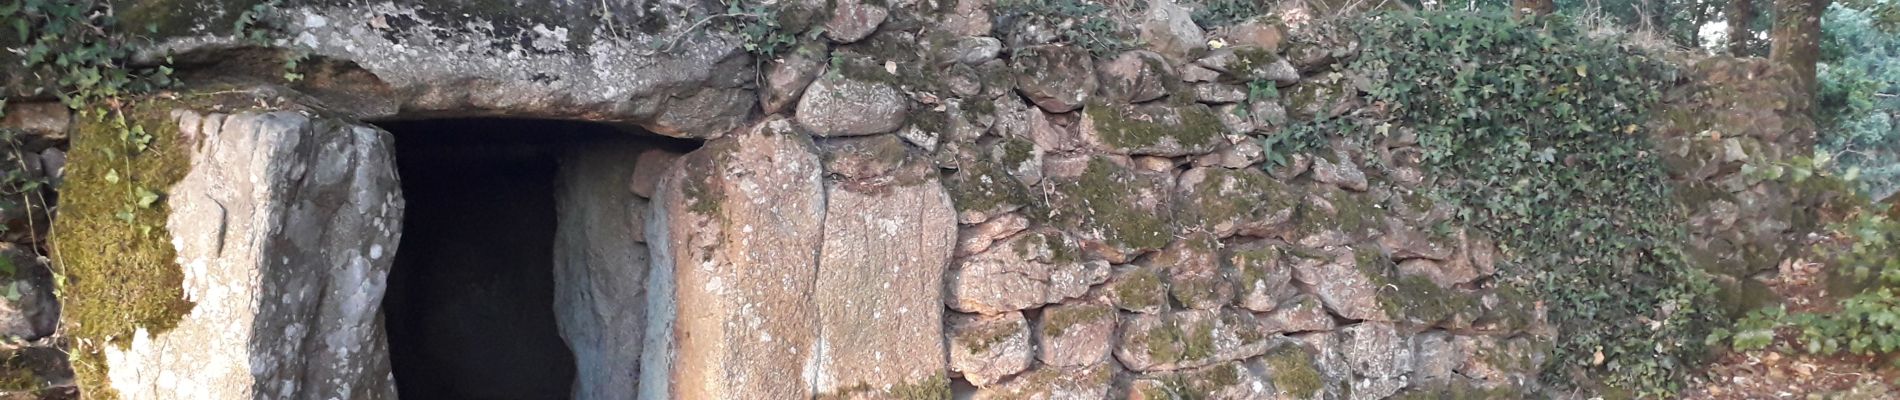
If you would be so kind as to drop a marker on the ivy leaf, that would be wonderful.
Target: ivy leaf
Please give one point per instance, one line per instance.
(146, 197)
(112, 176)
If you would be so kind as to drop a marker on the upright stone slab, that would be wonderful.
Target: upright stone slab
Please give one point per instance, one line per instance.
(285, 226)
(736, 228)
(600, 267)
(888, 238)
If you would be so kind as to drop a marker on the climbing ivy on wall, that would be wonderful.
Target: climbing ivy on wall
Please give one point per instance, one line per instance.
(1537, 134)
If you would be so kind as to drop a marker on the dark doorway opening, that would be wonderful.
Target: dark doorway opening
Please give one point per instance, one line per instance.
(470, 306)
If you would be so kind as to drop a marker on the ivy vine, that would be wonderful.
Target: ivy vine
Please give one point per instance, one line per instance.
(1541, 130)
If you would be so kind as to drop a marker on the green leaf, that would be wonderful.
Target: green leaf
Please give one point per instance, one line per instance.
(112, 176)
(146, 197)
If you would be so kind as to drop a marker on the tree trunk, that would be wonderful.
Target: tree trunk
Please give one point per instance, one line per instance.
(1741, 15)
(1796, 40)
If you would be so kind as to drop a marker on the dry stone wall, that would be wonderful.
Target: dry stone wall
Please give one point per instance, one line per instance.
(929, 198)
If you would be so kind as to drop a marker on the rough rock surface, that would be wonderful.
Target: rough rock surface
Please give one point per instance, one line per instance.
(1076, 334)
(600, 266)
(250, 223)
(887, 239)
(988, 348)
(840, 106)
(1057, 78)
(736, 226)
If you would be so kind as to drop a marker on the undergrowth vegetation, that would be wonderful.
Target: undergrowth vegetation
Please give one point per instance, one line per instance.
(1866, 323)
(1542, 128)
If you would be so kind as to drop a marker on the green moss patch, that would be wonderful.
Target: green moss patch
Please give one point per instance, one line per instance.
(110, 242)
(1293, 372)
(1140, 288)
(1142, 128)
(1100, 201)
(1057, 320)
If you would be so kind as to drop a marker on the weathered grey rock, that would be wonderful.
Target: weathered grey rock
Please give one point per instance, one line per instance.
(1188, 339)
(449, 58)
(1434, 357)
(1058, 78)
(43, 124)
(1135, 76)
(1403, 242)
(836, 105)
(1247, 64)
(1319, 47)
(1193, 73)
(1466, 258)
(1138, 289)
(1021, 158)
(1194, 272)
(1498, 362)
(1115, 211)
(1076, 334)
(1339, 170)
(1210, 92)
(1226, 202)
(1332, 217)
(867, 160)
(649, 167)
(1243, 154)
(1328, 358)
(1365, 388)
(248, 224)
(53, 161)
(1153, 128)
(737, 226)
(1343, 284)
(1235, 118)
(1375, 350)
(1325, 96)
(969, 18)
(28, 310)
(787, 77)
(978, 238)
(1226, 381)
(1055, 383)
(1169, 29)
(1028, 270)
(1262, 276)
(981, 189)
(887, 240)
(1259, 32)
(1304, 313)
(1053, 132)
(853, 20)
(600, 266)
(988, 348)
(974, 50)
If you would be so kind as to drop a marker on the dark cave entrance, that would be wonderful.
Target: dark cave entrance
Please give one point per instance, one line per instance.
(471, 309)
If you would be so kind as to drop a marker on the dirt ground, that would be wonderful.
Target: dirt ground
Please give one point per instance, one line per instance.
(1783, 371)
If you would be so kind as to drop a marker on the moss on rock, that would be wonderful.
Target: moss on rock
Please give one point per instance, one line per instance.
(1294, 372)
(113, 251)
(1156, 128)
(1108, 201)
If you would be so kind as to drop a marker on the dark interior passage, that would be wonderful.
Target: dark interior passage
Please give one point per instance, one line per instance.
(470, 306)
